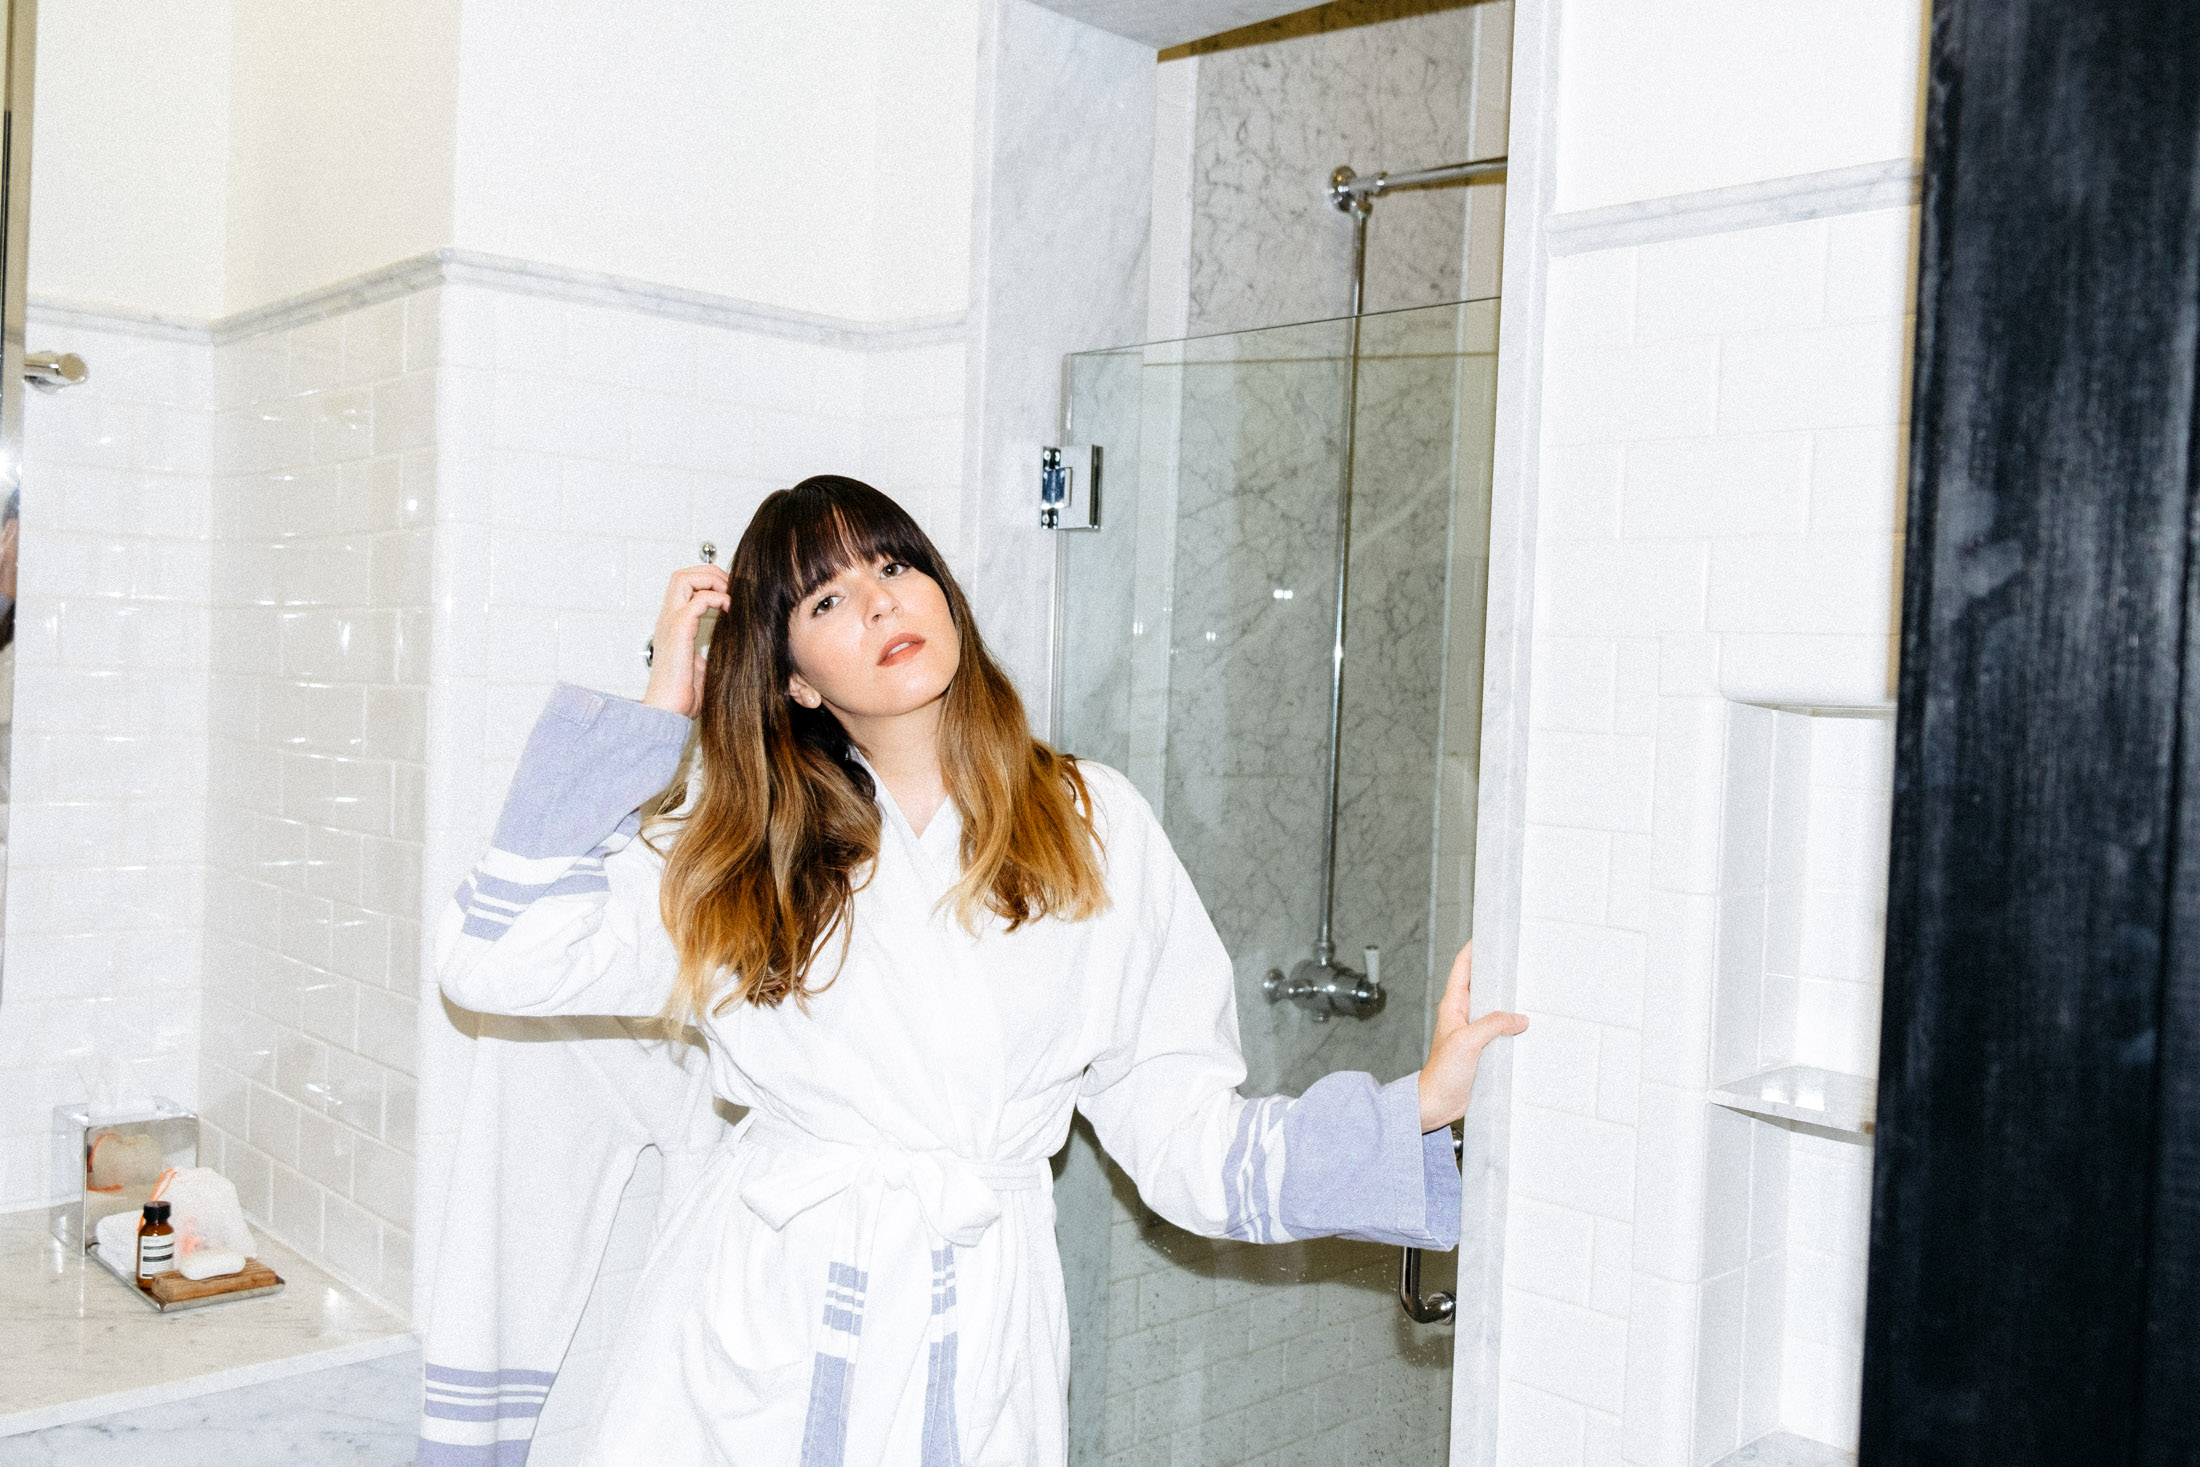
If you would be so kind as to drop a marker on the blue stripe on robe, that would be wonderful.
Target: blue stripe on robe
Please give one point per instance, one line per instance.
(825, 1427)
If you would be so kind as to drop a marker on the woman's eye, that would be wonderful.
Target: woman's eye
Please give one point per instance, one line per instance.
(893, 568)
(824, 604)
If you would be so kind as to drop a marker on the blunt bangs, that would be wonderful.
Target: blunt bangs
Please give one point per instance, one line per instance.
(828, 524)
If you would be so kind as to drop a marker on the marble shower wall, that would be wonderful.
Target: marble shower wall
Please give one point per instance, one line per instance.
(1263, 247)
(1218, 560)
(1226, 463)
(1270, 124)
(1251, 621)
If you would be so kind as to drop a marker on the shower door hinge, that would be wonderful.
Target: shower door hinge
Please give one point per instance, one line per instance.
(1069, 487)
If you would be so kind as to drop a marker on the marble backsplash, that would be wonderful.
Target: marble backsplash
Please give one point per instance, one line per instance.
(1271, 122)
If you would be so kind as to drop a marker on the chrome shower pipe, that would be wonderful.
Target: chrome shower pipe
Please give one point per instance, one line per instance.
(1325, 947)
(1356, 196)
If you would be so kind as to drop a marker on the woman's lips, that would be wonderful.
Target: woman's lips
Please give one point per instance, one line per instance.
(900, 650)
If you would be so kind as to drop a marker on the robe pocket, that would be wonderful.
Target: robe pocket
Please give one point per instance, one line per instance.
(737, 1387)
(766, 1297)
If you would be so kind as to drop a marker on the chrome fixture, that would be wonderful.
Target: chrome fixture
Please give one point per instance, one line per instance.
(1351, 194)
(1069, 487)
(1329, 987)
(50, 371)
(709, 553)
(1321, 983)
(1439, 1307)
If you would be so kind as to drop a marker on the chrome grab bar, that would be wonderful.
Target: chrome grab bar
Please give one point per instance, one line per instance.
(1439, 1307)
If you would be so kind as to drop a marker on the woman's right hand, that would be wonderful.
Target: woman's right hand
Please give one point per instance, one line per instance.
(675, 667)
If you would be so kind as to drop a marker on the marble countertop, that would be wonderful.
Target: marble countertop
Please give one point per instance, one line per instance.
(79, 1345)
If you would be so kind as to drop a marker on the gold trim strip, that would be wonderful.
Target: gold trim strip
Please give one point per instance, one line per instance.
(1338, 15)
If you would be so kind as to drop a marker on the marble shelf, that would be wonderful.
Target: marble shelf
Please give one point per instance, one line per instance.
(79, 1344)
(1786, 1449)
(1829, 1100)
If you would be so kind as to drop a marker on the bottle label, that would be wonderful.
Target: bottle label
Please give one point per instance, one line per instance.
(156, 1254)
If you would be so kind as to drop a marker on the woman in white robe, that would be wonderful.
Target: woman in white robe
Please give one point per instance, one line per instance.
(866, 1272)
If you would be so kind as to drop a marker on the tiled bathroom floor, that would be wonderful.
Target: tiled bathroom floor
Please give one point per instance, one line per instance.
(363, 1415)
(79, 1346)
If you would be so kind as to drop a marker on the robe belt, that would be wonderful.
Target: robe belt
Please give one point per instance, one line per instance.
(795, 1171)
(792, 1171)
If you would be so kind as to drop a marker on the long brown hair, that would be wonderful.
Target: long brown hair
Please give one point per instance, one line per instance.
(767, 860)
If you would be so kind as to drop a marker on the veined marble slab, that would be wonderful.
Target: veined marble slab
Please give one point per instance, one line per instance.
(78, 1345)
(1786, 1449)
(363, 1415)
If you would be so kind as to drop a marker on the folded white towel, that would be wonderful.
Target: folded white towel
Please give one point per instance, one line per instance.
(118, 1240)
(205, 1213)
(212, 1239)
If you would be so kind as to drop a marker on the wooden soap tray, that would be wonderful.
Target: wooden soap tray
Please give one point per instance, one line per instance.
(172, 1291)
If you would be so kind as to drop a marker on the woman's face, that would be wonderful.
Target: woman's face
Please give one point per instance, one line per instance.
(875, 641)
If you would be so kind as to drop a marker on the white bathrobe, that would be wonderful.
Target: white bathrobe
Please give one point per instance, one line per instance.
(866, 1273)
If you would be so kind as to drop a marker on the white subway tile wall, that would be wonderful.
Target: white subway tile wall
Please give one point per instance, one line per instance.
(105, 814)
(582, 455)
(1719, 492)
(222, 735)
(323, 496)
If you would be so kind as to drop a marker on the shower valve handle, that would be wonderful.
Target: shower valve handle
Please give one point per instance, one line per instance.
(1326, 988)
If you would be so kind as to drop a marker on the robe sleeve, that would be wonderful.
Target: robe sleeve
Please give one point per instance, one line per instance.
(560, 917)
(1347, 1159)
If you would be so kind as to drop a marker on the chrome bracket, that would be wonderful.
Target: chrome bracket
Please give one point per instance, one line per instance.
(1069, 487)
(1346, 199)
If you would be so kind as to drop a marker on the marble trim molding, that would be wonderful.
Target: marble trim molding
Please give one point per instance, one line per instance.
(452, 266)
(1893, 184)
(92, 1408)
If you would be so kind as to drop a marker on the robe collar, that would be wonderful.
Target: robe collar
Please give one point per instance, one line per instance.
(940, 847)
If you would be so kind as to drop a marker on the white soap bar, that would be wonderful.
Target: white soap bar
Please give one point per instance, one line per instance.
(212, 1263)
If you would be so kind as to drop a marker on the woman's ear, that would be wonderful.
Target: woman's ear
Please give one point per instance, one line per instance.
(802, 692)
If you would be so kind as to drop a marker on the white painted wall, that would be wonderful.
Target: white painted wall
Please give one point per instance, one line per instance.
(816, 157)
(206, 157)
(1670, 97)
(342, 119)
(130, 147)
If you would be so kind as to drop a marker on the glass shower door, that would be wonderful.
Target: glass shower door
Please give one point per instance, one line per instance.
(1194, 652)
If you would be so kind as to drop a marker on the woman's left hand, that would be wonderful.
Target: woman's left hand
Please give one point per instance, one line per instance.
(1447, 1080)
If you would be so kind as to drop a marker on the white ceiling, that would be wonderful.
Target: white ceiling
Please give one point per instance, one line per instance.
(1165, 23)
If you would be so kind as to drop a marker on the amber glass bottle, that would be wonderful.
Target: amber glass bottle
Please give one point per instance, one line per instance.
(156, 1245)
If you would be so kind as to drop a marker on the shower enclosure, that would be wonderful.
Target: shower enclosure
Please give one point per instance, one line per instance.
(1196, 650)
